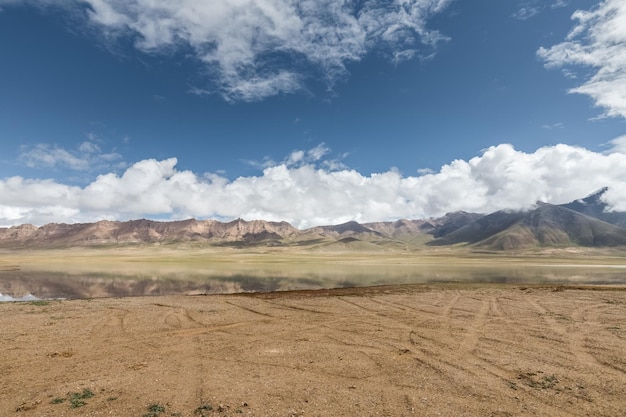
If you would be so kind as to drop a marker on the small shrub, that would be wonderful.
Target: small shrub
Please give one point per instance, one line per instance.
(200, 411)
(87, 393)
(77, 399)
(77, 402)
(154, 410)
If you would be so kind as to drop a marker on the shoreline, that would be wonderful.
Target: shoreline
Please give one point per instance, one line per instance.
(344, 291)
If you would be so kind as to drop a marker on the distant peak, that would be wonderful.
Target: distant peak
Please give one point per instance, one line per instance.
(594, 198)
(597, 193)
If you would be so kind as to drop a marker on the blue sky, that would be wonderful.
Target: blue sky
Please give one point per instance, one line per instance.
(307, 111)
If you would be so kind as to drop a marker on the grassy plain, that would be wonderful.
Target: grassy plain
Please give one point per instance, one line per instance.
(201, 256)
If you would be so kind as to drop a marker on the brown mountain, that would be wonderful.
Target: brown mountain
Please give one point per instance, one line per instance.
(144, 231)
(580, 223)
(451, 222)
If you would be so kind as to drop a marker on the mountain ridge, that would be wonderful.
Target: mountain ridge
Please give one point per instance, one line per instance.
(583, 222)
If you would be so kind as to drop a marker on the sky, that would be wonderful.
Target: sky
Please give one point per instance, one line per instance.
(307, 111)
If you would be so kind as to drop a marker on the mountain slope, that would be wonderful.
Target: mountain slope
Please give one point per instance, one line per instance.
(594, 206)
(479, 229)
(579, 223)
(144, 231)
(546, 225)
(411, 232)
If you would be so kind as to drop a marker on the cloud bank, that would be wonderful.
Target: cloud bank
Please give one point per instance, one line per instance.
(597, 41)
(304, 191)
(252, 49)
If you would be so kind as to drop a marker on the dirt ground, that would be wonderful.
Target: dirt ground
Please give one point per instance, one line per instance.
(413, 350)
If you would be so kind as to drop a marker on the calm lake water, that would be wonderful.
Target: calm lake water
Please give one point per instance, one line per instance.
(150, 279)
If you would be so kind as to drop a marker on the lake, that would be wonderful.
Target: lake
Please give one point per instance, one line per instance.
(92, 274)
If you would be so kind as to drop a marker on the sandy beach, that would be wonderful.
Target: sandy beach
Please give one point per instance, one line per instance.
(410, 350)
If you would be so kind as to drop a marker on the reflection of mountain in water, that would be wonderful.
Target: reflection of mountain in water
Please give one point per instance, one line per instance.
(47, 285)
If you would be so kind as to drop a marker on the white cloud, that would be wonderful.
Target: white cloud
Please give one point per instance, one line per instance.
(553, 126)
(49, 156)
(618, 145)
(87, 157)
(598, 41)
(531, 8)
(525, 13)
(307, 193)
(254, 49)
(89, 148)
(300, 157)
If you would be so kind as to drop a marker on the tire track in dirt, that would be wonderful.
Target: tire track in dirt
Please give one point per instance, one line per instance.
(406, 323)
(394, 306)
(360, 307)
(426, 352)
(468, 363)
(581, 338)
(180, 321)
(398, 314)
(419, 312)
(474, 330)
(430, 352)
(575, 339)
(463, 374)
(489, 310)
(249, 309)
(570, 339)
(200, 371)
(447, 309)
(208, 329)
(559, 339)
(190, 368)
(112, 324)
(496, 310)
(294, 308)
(472, 363)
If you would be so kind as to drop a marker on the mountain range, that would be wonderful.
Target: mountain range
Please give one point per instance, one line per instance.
(584, 222)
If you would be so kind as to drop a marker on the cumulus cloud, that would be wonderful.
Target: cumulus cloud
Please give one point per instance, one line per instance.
(597, 41)
(254, 49)
(86, 157)
(304, 192)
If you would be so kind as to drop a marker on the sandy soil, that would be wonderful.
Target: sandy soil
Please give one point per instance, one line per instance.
(440, 350)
